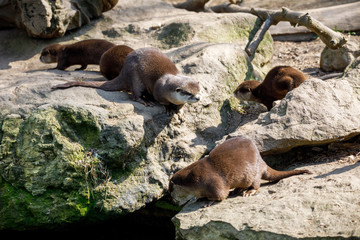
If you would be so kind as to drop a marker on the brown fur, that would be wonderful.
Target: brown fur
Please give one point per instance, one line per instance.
(80, 53)
(234, 164)
(148, 74)
(112, 61)
(277, 83)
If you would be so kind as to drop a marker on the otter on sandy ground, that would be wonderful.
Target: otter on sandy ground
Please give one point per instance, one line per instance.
(149, 74)
(80, 53)
(234, 164)
(112, 61)
(277, 83)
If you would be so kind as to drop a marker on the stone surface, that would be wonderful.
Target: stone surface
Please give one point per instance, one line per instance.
(79, 153)
(339, 59)
(51, 19)
(71, 154)
(317, 112)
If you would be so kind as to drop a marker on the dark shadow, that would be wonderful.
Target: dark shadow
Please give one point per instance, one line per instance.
(230, 121)
(150, 222)
(57, 71)
(340, 170)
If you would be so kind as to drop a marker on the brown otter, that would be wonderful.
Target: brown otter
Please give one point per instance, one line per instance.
(113, 59)
(277, 83)
(234, 164)
(83, 53)
(148, 73)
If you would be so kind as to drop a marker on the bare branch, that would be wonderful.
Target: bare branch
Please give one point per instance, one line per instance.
(332, 39)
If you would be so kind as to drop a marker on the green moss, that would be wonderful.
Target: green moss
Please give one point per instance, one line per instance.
(8, 133)
(20, 210)
(176, 34)
(46, 175)
(79, 125)
(224, 33)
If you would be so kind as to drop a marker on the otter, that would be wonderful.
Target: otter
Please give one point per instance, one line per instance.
(80, 53)
(149, 75)
(112, 61)
(234, 164)
(277, 83)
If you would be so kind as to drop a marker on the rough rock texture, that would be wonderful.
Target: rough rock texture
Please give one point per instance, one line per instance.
(322, 205)
(338, 60)
(71, 154)
(51, 19)
(315, 113)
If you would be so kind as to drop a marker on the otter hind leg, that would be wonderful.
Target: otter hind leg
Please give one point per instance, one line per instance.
(247, 190)
(83, 66)
(252, 189)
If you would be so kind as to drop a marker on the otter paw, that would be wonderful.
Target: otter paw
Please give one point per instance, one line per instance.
(248, 193)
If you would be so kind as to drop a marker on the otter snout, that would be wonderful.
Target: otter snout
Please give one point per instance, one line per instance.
(195, 98)
(180, 195)
(47, 58)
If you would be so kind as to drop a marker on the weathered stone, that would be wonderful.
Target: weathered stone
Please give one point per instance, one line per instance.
(68, 154)
(51, 19)
(315, 113)
(339, 59)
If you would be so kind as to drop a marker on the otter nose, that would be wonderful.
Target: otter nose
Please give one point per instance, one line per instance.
(197, 97)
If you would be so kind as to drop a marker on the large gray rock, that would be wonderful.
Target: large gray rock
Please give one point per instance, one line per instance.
(67, 154)
(339, 59)
(317, 112)
(51, 19)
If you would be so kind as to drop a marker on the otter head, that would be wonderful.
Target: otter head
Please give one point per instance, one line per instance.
(179, 194)
(50, 54)
(244, 92)
(185, 90)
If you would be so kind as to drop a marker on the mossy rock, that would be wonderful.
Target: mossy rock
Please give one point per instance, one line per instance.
(176, 34)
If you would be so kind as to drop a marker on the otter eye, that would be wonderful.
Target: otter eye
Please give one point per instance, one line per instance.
(178, 90)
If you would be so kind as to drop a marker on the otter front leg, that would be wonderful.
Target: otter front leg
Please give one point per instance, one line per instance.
(172, 109)
(144, 102)
(62, 63)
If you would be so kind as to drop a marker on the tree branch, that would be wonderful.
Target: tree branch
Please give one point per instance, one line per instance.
(332, 39)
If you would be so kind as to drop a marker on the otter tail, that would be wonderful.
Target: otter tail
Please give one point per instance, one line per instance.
(274, 175)
(113, 85)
